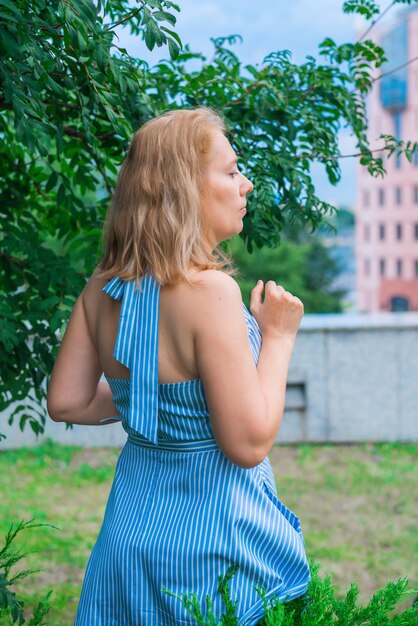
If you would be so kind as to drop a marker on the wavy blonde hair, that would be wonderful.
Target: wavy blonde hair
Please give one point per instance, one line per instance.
(154, 222)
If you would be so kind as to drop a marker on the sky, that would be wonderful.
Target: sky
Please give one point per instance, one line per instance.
(267, 26)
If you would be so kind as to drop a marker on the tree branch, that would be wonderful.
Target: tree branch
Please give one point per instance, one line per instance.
(6, 106)
(73, 132)
(126, 18)
(66, 105)
(13, 259)
(376, 78)
(24, 168)
(374, 22)
(335, 157)
(106, 135)
(394, 70)
(244, 92)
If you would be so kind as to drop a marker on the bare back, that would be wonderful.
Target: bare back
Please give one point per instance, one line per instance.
(176, 354)
(203, 335)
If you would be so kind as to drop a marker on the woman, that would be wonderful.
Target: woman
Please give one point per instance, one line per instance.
(198, 382)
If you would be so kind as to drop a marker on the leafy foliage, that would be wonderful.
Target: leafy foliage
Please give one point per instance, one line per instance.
(193, 606)
(70, 99)
(11, 607)
(369, 8)
(317, 606)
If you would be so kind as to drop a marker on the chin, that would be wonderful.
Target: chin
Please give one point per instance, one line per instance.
(235, 232)
(231, 233)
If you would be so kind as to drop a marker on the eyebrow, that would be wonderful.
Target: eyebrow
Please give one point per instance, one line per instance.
(233, 162)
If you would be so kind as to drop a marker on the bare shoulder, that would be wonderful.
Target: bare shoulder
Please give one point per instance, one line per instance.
(218, 284)
(214, 296)
(96, 304)
(93, 291)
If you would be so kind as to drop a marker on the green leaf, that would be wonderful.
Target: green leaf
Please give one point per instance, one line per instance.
(52, 182)
(82, 40)
(173, 48)
(36, 427)
(173, 34)
(61, 194)
(150, 38)
(163, 15)
(9, 5)
(9, 42)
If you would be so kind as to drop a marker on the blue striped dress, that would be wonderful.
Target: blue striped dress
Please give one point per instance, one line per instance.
(179, 512)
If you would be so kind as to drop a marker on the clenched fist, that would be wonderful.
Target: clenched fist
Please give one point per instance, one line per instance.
(280, 313)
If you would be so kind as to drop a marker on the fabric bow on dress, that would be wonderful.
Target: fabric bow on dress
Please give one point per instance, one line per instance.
(136, 348)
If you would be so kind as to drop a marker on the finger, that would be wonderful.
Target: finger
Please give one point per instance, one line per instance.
(258, 287)
(271, 286)
(259, 283)
(256, 293)
(300, 304)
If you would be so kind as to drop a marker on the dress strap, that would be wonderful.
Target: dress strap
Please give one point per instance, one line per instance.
(136, 347)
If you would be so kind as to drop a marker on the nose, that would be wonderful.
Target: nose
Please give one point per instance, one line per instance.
(246, 186)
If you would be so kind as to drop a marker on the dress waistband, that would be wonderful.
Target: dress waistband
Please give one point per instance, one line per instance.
(198, 445)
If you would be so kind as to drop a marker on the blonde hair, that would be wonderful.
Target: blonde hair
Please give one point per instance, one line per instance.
(154, 222)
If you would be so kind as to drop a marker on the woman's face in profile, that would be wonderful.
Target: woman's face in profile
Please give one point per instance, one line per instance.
(224, 191)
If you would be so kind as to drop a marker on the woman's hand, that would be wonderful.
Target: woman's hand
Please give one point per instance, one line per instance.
(280, 313)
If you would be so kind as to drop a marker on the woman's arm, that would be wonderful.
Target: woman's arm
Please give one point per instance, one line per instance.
(75, 392)
(245, 402)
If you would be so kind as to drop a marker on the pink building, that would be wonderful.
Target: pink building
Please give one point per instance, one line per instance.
(387, 209)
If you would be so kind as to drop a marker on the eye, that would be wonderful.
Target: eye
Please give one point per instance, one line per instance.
(233, 174)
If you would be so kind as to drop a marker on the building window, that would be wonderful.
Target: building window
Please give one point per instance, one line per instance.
(398, 303)
(366, 198)
(398, 232)
(382, 267)
(367, 267)
(381, 197)
(416, 193)
(381, 232)
(398, 195)
(399, 268)
(367, 232)
(416, 231)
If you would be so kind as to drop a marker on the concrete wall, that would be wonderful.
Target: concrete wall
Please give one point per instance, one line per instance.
(353, 377)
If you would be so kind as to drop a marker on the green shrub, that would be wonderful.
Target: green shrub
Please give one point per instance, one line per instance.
(11, 607)
(317, 607)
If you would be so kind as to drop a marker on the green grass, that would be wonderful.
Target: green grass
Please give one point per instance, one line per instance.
(357, 505)
(358, 509)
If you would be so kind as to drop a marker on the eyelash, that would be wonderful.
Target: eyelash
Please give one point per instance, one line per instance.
(233, 174)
